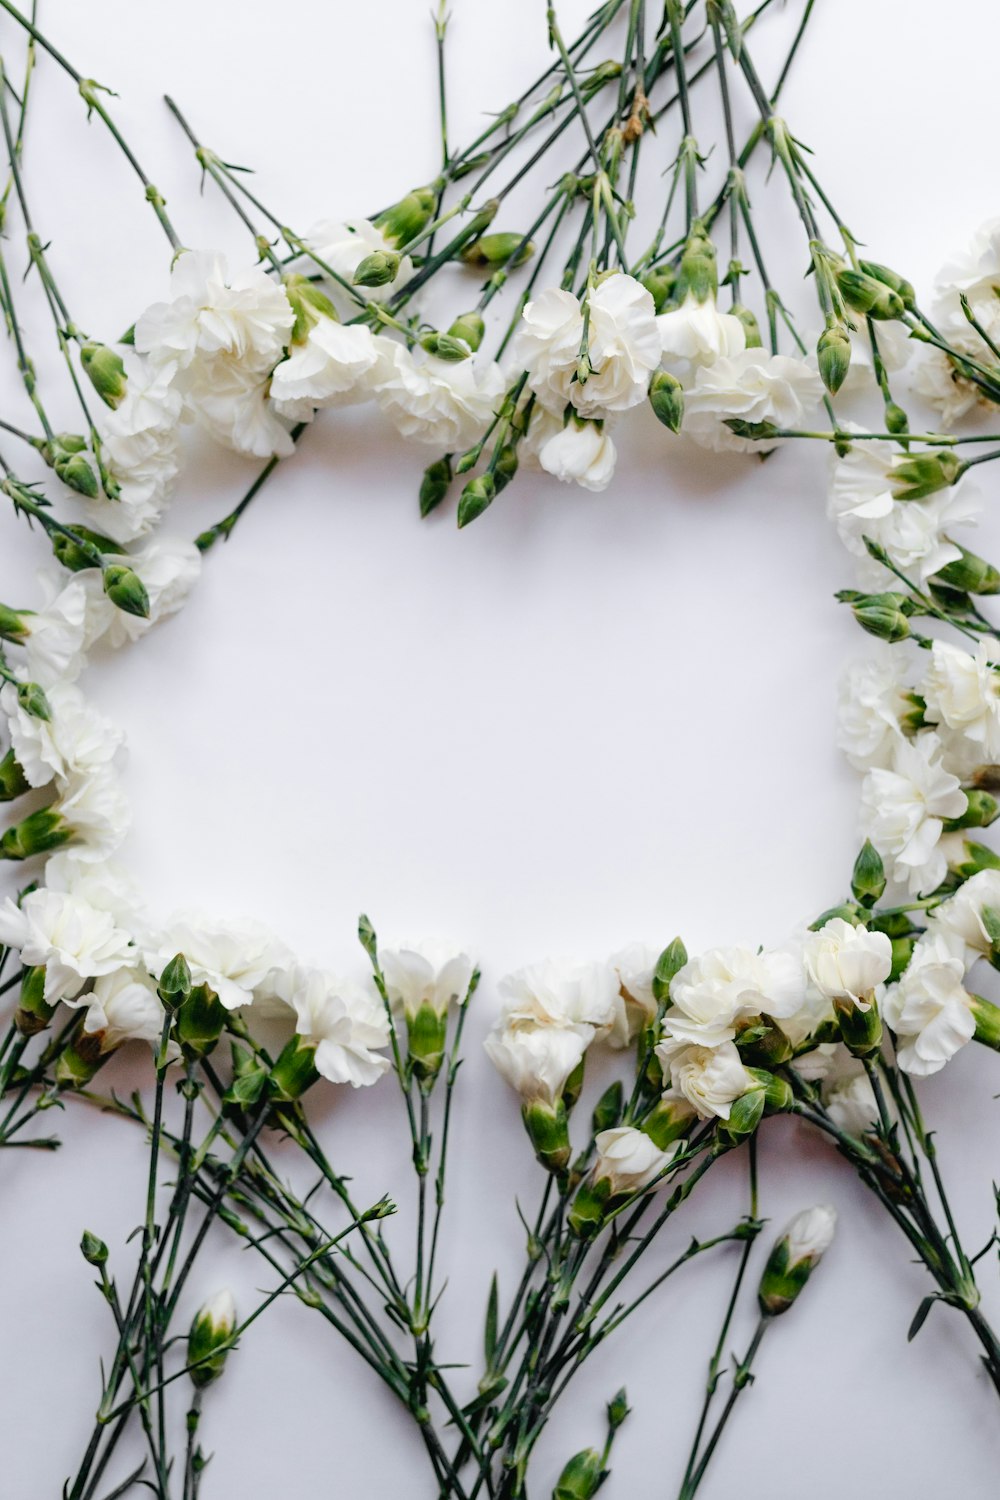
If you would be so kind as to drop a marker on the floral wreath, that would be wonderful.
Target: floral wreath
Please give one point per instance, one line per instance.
(837, 1027)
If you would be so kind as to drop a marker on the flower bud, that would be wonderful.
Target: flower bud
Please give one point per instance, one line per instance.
(477, 496)
(377, 269)
(794, 1257)
(33, 1012)
(175, 982)
(469, 327)
(581, 1478)
(604, 73)
(868, 879)
(426, 1034)
(444, 346)
(548, 1130)
(14, 625)
(210, 1337)
(93, 1250)
(970, 574)
(608, 1109)
(294, 1070)
(923, 474)
(865, 294)
(78, 555)
(761, 1042)
(699, 276)
(74, 470)
(503, 248)
(834, 355)
(751, 328)
(896, 419)
(200, 1021)
(666, 397)
(618, 1409)
(882, 616)
(106, 373)
(660, 283)
(898, 284)
(126, 590)
(758, 432)
(308, 303)
(505, 466)
(981, 809)
(987, 1018)
(36, 834)
(670, 962)
(13, 782)
(409, 217)
(32, 699)
(435, 484)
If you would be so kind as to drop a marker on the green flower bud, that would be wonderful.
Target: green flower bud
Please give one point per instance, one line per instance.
(469, 327)
(587, 1212)
(32, 699)
(860, 1030)
(294, 1070)
(604, 73)
(759, 432)
(868, 879)
(377, 269)
(444, 346)
(670, 962)
(505, 466)
(200, 1021)
(106, 373)
(667, 1121)
(666, 397)
(751, 328)
(761, 1042)
(581, 1478)
(72, 556)
(15, 625)
(834, 355)
(970, 574)
(426, 1034)
(608, 1109)
(794, 1257)
(38, 833)
(660, 283)
(503, 248)
(977, 857)
(93, 1250)
(477, 496)
(13, 782)
(409, 217)
(865, 294)
(210, 1339)
(74, 470)
(987, 1018)
(618, 1410)
(745, 1114)
(175, 982)
(981, 809)
(699, 275)
(548, 1130)
(847, 911)
(126, 590)
(308, 303)
(435, 484)
(882, 616)
(896, 419)
(923, 474)
(898, 284)
(33, 1013)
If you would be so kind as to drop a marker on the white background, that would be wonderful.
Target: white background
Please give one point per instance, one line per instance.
(584, 720)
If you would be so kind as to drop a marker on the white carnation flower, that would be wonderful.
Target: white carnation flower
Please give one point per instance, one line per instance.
(873, 700)
(580, 453)
(962, 691)
(345, 1021)
(974, 273)
(695, 334)
(447, 403)
(623, 346)
(810, 1234)
(850, 1101)
(712, 991)
(124, 1007)
(929, 1009)
(328, 369)
(561, 992)
(242, 315)
(937, 380)
(903, 809)
(235, 959)
(754, 386)
(343, 245)
(139, 448)
(102, 885)
(75, 739)
(58, 633)
(847, 963)
(537, 1061)
(962, 914)
(95, 809)
(711, 1079)
(628, 1159)
(635, 1005)
(429, 974)
(73, 940)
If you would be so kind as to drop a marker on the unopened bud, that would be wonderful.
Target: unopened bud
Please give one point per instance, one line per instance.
(833, 353)
(408, 218)
(670, 962)
(175, 982)
(748, 320)
(126, 590)
(477, 496)
(866, 294)
(36, 834)
(699, 276)
(378, 269)
(868, 879)
(469, 327)
(605, 72)
(896, 420)
(32, 699)
(15, 625)
(106, 373)
(922, 474)
(981, 809)
(581, 1478)
(660, 283)
(505, 466)
(443, 346)
(666, 397)
(13, 782)
(503, 248)
(882, 616)
(93, 1250)
(970, 574)
(434, 485)
(794, 1257)
(898, 284)
(75, 552)
(210, 1338)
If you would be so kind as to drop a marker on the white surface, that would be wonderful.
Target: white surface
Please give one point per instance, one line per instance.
(586, 719)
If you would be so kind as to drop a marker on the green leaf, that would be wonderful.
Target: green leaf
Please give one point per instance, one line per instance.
(490, 1340)
(920, 1316)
